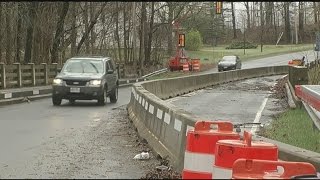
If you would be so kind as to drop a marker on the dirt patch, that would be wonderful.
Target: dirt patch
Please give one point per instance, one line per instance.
(279, 92)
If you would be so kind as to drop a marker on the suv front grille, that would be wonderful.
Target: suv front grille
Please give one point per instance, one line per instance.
(76, 82)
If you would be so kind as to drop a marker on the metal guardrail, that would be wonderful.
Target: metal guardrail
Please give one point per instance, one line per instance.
(156, 73)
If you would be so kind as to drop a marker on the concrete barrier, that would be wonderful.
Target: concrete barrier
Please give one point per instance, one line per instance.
(165, 126)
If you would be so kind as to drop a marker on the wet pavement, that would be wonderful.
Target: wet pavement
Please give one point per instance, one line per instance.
(105, 149)
(245, 101)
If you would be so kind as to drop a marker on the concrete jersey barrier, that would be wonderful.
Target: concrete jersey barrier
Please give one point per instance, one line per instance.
(164, 125)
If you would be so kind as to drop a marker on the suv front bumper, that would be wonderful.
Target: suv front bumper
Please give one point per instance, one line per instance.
(84, 93)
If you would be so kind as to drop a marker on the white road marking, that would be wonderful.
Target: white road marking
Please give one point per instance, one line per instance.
(258, 115)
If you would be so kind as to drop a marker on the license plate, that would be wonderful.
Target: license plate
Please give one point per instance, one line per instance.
(75, 90)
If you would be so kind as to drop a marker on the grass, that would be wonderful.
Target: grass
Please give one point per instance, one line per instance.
(216, 53)
(296, 128)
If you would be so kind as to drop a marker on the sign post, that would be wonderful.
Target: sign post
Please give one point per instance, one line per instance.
(317, 48)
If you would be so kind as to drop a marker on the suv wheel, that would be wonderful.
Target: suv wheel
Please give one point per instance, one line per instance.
(56, 100)
(103, 98)
(114, 95)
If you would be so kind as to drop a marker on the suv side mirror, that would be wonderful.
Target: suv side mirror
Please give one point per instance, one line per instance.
(110, 71)
(58, 70)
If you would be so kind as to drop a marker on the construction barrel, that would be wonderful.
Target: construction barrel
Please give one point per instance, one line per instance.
(228, 151)
(200, 147)
(259, 169)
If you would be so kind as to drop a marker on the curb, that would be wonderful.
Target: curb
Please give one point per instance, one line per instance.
(290, 98)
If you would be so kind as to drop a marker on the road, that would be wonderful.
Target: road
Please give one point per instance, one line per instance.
(243, 101)
(239, 102)
(273, 61)
(39, 140)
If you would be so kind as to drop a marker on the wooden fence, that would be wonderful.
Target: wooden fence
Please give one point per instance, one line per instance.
(25, 75)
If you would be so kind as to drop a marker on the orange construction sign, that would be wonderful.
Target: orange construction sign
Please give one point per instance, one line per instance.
(218, 7)
(181, 40)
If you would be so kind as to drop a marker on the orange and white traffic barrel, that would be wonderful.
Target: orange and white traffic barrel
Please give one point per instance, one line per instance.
(185, 67)
(200, 147)
(195, 64)
(258, 169)
(228, 151)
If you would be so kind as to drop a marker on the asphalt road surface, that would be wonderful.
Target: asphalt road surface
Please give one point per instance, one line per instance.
(247, 101)
(274, 60)
(39, 140)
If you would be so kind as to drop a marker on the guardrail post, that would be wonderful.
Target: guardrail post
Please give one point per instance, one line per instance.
(3, 75)
(33, 74)
(56, 69)
(19, 78)
(45, 73)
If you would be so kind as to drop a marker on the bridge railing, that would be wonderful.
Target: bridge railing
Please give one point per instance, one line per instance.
(25, 75)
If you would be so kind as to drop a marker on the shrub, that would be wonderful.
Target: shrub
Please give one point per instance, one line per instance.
(193, 40)
(241, 45)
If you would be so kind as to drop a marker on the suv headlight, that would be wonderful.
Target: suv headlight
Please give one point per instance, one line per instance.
(95, 83)
(57, 81)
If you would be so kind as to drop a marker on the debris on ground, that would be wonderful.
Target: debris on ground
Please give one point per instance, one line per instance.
(142, 156)
(162, 171)
(279, 88)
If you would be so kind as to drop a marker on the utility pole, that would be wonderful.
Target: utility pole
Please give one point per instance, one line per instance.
(244, 37)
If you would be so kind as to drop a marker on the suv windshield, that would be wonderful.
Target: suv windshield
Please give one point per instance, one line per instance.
(229, 58)
(83, 66)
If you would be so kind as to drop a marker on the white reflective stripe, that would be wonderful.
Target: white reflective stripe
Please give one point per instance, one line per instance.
(137, 97)
(167, 118)
(151, 108)
(177, 125)
(188, 128)
(140, 99)
(146, 105)
(159, 113)
(221, 173)
(34, 92)
(7, 95)
(198, 162)
(142, 103)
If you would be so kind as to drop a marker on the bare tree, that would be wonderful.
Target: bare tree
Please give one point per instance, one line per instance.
(315, 10)
(246, 4)
(116, 32)
(29, 36)
(8, 32)
(142, 36)
(73, 26)
(233, 21)
(149, 43)
(59, 31)
(92, 23)
(92, 33)
(301, 20)
(1, 7)
(170, 29)
(287, 21)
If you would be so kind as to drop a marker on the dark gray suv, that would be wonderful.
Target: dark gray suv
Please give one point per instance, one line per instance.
(86, 78)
